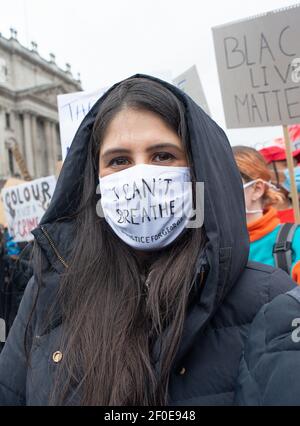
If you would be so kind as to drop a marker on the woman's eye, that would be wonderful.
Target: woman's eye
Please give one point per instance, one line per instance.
(163, 156)
(119, 161)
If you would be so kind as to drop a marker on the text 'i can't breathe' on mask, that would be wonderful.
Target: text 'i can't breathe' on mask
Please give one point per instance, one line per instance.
(147, 206)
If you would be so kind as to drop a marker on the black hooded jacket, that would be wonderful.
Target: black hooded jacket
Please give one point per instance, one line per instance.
(216, 326)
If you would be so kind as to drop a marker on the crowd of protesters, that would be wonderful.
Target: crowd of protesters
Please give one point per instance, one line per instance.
(107, 321)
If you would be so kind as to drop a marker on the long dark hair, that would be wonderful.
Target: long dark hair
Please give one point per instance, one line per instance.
(112, 321)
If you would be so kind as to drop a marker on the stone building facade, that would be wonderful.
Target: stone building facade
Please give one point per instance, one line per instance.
(29, 86)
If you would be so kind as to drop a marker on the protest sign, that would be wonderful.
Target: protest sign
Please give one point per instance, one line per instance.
(25, 204)
(190, 83)
(259, 69)
(258, 63)
(72, 108)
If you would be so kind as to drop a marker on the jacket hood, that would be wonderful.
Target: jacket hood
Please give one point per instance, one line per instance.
(226, 251)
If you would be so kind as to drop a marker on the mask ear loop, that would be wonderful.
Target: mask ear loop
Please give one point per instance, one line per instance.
(251, 182)
(278, 187)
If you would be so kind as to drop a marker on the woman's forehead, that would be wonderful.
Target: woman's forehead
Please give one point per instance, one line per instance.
(137, 128)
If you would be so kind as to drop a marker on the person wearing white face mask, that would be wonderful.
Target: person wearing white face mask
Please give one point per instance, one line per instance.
(275, 157)
(130, 303)
(270, 242)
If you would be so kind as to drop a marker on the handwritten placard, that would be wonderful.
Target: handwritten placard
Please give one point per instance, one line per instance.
(72, 108)
(190, 83)
(25, 204)
(259, 69)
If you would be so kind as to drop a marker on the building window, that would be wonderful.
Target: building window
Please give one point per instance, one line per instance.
(7, 120)
(11, 162)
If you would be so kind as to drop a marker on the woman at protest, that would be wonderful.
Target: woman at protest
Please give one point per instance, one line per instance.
(263, 222)
(287, 182)
(134, 300)
(275, 156)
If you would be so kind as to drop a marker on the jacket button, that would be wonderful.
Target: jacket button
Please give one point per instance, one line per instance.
(57, 356)
(182, 371)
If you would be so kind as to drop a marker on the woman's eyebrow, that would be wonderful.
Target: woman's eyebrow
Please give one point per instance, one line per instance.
(114, 151)
(163, 145)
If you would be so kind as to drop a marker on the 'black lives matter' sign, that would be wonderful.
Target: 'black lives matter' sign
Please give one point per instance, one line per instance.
(258, 63)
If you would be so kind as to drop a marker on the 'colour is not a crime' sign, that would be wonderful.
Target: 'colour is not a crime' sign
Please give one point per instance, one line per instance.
(25, 204)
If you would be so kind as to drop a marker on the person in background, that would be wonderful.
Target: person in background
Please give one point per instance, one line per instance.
(287, 182)
(275, 156)
(284, 207)
(270, 242)
(11, 247)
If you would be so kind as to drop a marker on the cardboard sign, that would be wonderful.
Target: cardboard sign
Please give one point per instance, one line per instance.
(190, 83)
(72, 108)
(25, 204)
(258, 63)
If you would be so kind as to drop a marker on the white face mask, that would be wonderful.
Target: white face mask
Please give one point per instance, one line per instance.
(147, 206)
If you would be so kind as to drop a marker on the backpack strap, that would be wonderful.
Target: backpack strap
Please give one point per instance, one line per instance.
(282, 250)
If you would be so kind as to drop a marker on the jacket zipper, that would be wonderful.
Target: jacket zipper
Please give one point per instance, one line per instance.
(53, 247)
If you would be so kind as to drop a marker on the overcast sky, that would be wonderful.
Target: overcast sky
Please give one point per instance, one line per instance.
(108, 40)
